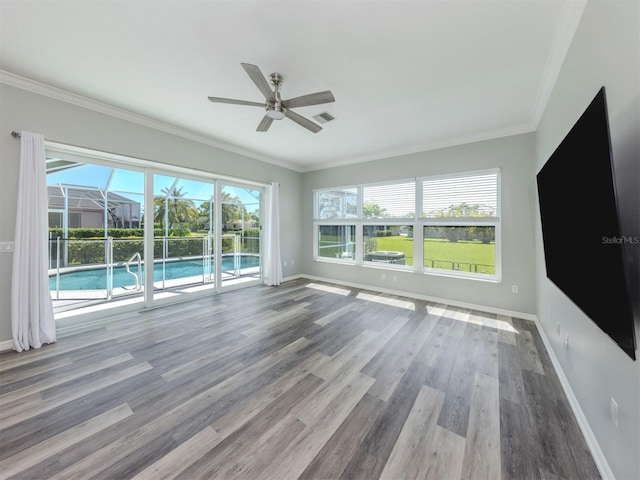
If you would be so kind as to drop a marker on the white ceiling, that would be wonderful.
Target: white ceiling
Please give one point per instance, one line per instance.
(407, 75)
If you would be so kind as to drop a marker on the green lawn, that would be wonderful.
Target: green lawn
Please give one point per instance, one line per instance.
(466, 256)
(444, 253)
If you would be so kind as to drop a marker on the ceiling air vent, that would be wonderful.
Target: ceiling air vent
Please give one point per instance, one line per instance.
(323, 117)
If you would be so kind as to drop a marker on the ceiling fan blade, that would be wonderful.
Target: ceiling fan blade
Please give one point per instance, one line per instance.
(260, 81)
(311, 99)
(264, 124)
(300, 120)
(235, 102)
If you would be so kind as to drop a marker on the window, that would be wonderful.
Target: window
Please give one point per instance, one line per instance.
(335, 235)
(460, 219)
(337, 203)
(472, 195)
(390, 244)
(336, 242)
(449, 225)
(395, 200)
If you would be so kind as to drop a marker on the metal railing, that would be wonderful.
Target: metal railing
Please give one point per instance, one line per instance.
(138, 284)
(117, 257)
(459, 266)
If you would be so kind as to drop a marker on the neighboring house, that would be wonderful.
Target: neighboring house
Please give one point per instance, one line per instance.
(237, 225)
(82, 207)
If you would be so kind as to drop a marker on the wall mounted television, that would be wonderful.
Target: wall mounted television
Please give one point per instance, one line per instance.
(583, 244)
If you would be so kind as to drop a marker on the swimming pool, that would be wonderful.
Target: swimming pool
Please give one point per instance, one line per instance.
(96, 278)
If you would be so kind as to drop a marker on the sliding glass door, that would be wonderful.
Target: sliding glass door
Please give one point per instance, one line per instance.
(96, 248)
(241, 233)
(198, 232)
(183, 240)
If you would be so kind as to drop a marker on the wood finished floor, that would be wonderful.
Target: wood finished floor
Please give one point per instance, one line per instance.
(305, 380)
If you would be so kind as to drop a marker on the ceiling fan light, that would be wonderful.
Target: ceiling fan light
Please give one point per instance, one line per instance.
(275, 114)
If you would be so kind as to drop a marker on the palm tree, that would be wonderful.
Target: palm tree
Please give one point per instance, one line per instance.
(373, 210)
(173, 208)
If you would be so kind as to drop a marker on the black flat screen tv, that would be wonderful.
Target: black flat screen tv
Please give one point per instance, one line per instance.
(583, 244)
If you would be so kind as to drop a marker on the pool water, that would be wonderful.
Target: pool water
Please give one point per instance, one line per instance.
(96, 279)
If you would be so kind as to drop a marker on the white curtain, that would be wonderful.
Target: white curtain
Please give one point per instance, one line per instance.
(32, 321)
(273, 267)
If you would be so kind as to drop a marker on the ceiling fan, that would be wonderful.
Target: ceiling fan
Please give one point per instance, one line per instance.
(277, 108)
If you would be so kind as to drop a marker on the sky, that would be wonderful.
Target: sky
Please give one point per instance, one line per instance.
(130, 184)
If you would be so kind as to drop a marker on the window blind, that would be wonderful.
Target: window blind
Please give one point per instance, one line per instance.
(461, 196)
(395, 200)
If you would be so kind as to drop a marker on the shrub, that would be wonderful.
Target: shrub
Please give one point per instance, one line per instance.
(86, 252)
(118, 232)
(124, 250)
(370, 245)
(252, 232)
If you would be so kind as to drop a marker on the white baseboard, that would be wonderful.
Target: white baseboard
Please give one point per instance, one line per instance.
(594, 447)
(292, 277)
(6, 345)
(427, 298)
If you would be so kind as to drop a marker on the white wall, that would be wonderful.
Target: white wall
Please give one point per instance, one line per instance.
(514, 155)
(65, 123)
(605, 51)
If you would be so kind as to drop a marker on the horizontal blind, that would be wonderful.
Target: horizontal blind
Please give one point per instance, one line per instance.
(397, 200)
(337, 204)
(461, 196)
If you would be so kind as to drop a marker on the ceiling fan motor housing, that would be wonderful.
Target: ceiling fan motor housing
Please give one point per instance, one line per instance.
(275, 110)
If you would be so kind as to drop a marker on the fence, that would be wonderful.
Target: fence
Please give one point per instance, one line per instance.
(101, 256)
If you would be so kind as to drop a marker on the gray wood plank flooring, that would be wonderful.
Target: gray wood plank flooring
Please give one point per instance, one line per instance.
(306, 380)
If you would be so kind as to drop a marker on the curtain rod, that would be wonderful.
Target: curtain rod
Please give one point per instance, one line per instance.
(15, 134)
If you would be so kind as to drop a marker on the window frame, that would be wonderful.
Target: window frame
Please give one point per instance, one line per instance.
(418, 221)
(316, 243)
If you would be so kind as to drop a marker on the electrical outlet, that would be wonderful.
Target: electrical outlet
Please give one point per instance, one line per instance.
(293, 262)
(284, 263)
(614, 412)
(383, 276)
(566, 340)
(395, 278)
(514, 289)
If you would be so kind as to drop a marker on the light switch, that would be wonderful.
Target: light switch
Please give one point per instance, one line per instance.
(6, 247)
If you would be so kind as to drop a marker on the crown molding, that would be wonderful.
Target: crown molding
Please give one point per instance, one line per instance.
(55, 93)
(425, 147)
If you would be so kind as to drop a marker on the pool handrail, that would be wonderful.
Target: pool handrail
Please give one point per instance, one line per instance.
(136, 276)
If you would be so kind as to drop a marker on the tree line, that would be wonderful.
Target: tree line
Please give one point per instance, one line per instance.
(172, 210)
